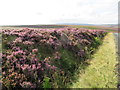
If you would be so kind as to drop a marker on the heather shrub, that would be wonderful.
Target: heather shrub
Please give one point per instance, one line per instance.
(45, 58)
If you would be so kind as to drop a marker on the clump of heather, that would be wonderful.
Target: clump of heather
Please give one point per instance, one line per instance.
(26, 64)
(33, 57)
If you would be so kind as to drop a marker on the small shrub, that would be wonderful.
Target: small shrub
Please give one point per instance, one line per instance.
(45, 58)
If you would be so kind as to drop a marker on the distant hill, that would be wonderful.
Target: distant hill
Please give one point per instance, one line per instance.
(37, 26)
(62, 25)
(75, 24)
(108, 25)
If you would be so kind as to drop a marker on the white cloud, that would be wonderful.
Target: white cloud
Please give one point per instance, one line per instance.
(17, 12)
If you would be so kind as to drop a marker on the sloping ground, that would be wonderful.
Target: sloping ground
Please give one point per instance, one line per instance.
(101, 73)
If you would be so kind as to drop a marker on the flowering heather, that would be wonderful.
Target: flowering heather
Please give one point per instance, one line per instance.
(35, 50)
(30, 55)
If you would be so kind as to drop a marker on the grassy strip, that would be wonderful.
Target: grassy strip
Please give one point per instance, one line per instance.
(101, 71)
(84, 26)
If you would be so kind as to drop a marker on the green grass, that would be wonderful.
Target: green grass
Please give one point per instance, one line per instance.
(82, 26)
(101, 73)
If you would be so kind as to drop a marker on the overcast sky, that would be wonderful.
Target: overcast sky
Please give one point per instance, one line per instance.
(22, 12)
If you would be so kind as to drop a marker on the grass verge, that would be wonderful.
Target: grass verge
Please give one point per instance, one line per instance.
(101, 73)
